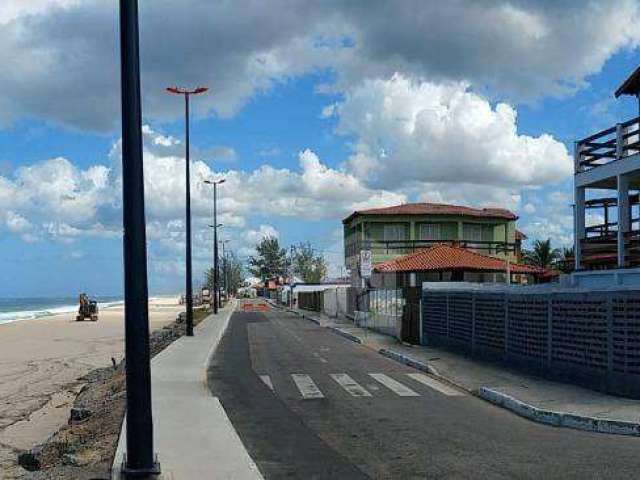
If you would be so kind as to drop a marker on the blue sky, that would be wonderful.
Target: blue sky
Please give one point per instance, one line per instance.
(312, 113)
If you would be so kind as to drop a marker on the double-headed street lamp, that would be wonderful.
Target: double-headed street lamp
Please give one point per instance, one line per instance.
(189, 293)
(215, 226)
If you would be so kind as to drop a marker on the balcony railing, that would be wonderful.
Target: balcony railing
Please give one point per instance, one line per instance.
(601, 252)
(615, 143)
(403, 247)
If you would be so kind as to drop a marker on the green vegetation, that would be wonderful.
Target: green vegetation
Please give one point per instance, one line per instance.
(542, 254)
(270, 260)
(311, 268)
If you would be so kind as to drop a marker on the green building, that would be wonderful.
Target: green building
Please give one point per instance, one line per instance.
(391, 232)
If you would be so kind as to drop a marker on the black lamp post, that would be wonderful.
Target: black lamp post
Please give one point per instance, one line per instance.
(140, 459)
(215, 267)
(224, 267)
(215, 240)
(189, 287)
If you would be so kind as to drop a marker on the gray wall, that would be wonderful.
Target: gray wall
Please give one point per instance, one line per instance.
(588, 338)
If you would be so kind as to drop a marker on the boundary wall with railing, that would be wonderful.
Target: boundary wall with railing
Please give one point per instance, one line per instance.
(591, 338)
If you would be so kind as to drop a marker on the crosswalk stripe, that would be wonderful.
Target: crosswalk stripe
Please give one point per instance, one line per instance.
(266, 379)
(393, 385)
(308, 389)
(350, 385)
(430, 382)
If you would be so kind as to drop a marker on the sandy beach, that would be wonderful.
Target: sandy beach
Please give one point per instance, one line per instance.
(41, 362)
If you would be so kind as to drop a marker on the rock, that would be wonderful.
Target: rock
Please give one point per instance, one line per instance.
(78, 414)
(72, 460)
(30, 460)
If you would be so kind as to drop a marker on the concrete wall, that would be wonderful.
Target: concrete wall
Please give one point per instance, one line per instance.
(335, 302)
(591, 338)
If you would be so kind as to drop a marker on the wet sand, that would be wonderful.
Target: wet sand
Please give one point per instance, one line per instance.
(41, 362)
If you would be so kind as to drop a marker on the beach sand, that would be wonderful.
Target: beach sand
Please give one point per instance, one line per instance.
(41, 362)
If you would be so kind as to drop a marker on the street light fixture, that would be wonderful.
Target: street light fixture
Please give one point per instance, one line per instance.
(215, 184)
(189, 287)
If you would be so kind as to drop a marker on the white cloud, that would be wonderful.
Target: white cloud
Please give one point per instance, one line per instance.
(57, 200)
(552, 216)
(523, 49)
(423, 132)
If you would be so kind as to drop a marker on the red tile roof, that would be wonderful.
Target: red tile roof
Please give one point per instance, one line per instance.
(436, 209)
(445, 257)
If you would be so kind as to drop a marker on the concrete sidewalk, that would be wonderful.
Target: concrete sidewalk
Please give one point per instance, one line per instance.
(192, 433)
(540, 400)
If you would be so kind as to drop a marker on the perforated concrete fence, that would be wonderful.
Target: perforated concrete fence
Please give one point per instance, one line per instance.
(590, 338)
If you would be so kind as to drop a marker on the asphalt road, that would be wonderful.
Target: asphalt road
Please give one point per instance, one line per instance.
(282, 381)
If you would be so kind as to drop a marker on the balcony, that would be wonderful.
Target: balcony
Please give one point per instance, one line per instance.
(391, 248)
(608, 146)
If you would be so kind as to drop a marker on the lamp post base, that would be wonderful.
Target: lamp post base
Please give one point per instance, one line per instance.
(126, 472)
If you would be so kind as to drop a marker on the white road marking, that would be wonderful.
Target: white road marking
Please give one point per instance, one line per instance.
(266, 379)
(317, 355)
(308, 389)
(350, 385)
(430, 382)
(393, 385)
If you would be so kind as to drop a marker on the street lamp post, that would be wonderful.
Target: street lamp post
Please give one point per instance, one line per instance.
(189, 287)
(140, 459)
(215, 184)
(215, 266)
(224, 267)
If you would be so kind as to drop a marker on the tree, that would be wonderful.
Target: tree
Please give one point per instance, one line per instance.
(311, 268)
(270, 260)
(231, 270)
(542, 255)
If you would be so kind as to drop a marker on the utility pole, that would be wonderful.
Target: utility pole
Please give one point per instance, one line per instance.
(140, 459)
(215, 226)
(189, 287)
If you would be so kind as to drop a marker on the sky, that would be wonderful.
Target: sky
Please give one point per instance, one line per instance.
(315, 109)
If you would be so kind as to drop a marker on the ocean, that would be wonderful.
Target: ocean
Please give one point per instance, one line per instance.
(17, 309)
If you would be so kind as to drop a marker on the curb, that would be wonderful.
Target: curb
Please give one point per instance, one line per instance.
(558, 419)
(344, 334)
(410, 362)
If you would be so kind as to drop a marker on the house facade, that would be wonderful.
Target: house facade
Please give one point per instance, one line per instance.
(396, 231)
(606, 186)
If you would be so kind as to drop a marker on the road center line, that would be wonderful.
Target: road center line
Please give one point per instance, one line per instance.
(393, 385)
(430, 382)
(308, 389)
(350, 385)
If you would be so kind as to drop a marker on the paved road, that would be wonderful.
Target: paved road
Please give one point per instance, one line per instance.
(310, 404)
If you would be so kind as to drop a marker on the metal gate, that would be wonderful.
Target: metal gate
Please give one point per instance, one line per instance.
(411, 316)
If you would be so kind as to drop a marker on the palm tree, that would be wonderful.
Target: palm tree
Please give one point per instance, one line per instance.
(542, 255)
(566, 260)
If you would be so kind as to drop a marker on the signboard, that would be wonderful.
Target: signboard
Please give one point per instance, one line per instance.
(365, 263)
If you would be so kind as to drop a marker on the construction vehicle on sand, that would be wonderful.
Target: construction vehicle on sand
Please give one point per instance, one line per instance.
(88, 309)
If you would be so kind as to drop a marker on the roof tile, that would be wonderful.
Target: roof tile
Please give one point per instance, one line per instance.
(446, 257)
(437, 209)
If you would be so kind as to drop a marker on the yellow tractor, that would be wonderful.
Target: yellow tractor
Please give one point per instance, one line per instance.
(88, 309)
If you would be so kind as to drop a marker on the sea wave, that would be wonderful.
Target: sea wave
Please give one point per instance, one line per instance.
(16, 316)
(21, 315)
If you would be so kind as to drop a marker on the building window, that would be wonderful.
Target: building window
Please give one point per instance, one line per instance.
(394, 232)
(430, 231)
(472, 232)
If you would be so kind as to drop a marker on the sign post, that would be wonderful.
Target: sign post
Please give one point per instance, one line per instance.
(365, 263)
(365, 274)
